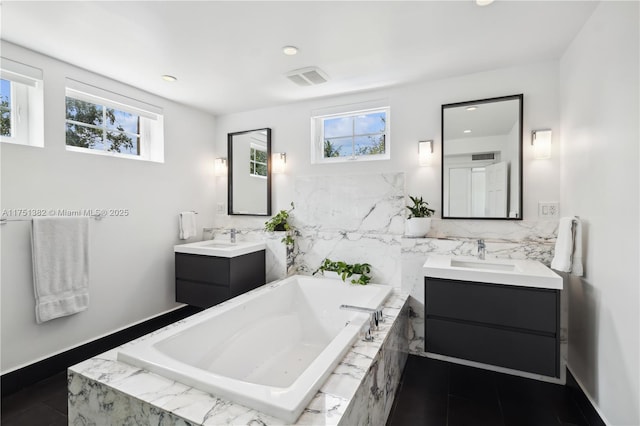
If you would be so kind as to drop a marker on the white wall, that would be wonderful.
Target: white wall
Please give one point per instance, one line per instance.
(415, 115)
(599, 108)
(131, 265)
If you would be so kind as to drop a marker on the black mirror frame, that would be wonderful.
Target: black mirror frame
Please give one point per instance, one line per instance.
(520, 98)
(230, 172)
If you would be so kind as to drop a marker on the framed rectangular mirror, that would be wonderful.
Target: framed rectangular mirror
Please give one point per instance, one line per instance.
(482, 159)
(249, 172)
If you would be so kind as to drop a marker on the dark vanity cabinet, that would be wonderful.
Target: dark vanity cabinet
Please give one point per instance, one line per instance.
(502, 325)
(204, 281)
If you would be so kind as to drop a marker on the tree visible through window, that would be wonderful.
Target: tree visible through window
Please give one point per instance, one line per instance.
(94, 126)
(258, 162)
(5, 108)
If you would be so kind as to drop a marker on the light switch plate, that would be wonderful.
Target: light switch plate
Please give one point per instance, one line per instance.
(220, 208)
(548, 209)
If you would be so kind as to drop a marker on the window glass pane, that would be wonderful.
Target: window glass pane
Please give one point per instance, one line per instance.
(338, 147)
(337, 127)
(369, 145)
(84, 137)
(370, 123)
(261, 156)
(5, 108)
(124, 143)
(257, 162)
(84, 112)
(261, 169)
(123, 121)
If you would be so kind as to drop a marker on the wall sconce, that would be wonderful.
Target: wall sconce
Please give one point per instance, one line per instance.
(220, 166)
(278, 162)
(425, 152)
(541, 141)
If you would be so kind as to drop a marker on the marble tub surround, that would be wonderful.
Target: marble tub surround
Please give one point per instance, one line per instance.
(353, 218)
(381, 251)
(103, 391)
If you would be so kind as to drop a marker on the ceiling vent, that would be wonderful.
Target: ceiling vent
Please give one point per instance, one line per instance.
(310, 76)
(489, 156)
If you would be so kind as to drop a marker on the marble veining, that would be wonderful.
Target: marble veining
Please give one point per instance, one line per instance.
(369, 203)
(103, 391)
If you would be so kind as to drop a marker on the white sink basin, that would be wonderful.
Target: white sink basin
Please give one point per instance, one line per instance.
(525, 273)
(220, 248)
(481, 264)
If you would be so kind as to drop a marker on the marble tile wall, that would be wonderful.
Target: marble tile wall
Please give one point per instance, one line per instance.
(357, 218)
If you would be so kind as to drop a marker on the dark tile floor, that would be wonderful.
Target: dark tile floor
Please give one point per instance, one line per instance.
(437, 393)
(432, 393)
(43, 404)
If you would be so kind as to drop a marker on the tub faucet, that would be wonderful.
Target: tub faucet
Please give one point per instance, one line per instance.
(375, 317)
(233, 233)
(481, 249)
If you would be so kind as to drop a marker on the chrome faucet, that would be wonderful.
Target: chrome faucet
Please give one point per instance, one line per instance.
(233, 233)
(481, 249)
(375, 317)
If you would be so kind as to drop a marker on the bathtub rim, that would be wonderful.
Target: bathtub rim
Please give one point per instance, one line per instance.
(282, 403)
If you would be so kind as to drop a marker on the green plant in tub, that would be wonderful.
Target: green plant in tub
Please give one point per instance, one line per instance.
(346, 270)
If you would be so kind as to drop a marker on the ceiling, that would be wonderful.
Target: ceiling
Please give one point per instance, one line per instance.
(228, 55)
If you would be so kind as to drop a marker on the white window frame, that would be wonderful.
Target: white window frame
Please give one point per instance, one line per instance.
(151, 141)
(27, 103)
(257, 147)
(317, 131)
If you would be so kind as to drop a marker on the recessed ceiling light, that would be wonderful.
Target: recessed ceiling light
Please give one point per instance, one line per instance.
(467, 131)
(289, 50)
(472, 108)
(167, 77)
(484, 2)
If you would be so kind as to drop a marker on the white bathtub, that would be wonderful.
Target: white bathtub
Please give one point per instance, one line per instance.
(269, 350)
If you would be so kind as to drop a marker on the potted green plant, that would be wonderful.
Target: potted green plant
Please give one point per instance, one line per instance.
(419, 220)
(357, 272)
(279, 222)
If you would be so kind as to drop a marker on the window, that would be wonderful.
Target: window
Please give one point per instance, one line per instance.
(353, 135)
(258, 162)
(106, 123)
(5, 108)
(21, 104)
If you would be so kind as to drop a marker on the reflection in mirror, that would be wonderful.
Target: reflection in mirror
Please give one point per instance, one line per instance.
(249, 191)
(482, 159)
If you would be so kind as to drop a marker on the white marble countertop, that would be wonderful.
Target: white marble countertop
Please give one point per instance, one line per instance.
(220, 248)
(200, 408)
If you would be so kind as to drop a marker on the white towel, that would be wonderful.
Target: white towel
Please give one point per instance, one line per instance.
(568, 251)
(60, 254)
(576, 262)
(187, 222)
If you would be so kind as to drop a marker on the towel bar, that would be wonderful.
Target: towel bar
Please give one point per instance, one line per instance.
(5, 220)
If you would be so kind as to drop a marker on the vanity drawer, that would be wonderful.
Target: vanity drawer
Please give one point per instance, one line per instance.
(493, 304)
(208, 269)
(201, 295)
(505, 348)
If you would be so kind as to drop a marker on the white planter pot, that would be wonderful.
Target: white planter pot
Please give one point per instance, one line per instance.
(417, 227)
